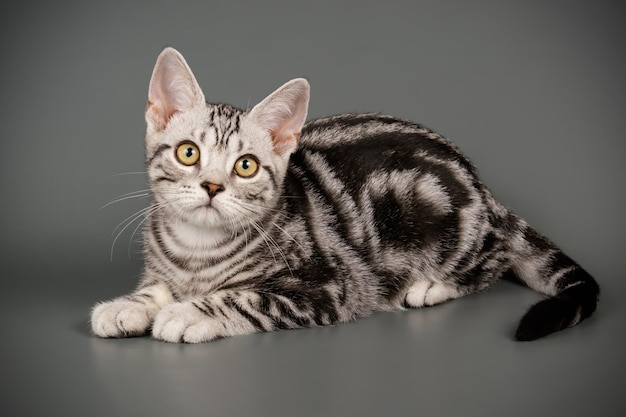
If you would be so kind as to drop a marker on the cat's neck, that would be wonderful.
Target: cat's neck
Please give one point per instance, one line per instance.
(200, 237)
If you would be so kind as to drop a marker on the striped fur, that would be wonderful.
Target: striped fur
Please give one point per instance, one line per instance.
(346, 215)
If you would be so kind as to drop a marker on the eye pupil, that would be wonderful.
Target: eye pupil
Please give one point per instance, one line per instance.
(246, 166)
(187, 154)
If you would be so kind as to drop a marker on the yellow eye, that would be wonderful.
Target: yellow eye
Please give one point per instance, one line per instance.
(246, 166)
(187, 153)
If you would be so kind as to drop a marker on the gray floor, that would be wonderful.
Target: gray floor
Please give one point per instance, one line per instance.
(533, 93)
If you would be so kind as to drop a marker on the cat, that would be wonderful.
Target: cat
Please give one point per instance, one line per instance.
(261, 222)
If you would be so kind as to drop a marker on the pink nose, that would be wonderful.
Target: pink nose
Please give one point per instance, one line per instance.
(212, 189)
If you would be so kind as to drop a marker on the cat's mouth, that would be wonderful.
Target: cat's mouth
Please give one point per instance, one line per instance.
(205, 213)
(210, 207)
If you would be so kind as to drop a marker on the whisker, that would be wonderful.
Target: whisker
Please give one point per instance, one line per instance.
(126, 223)
(265, 238)
(245, 235)
(127, 173)
(279, 250)
(176, 215)
(269, 240)
(127, 196)
(132, 217)
(257, 208)
(146, 217)
(288, 235)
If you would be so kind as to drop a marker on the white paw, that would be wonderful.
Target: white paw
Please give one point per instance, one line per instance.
(416, 295)
(121, 318)
(438, 293)
(183, 322)
(428, 293)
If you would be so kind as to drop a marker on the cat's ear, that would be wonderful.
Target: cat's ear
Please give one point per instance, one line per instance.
(173, 88)
(283, 114)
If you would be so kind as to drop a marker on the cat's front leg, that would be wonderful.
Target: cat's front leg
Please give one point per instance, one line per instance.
(185, 322)
(222, 314)
(129, 315)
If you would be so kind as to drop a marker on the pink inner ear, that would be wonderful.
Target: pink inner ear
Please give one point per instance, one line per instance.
(285, 141)
(165, 99)
(157, 115)
(283, 114)
(173, 88)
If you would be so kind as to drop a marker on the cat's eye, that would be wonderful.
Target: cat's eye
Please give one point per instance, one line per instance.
(187, 153)
(246, 166)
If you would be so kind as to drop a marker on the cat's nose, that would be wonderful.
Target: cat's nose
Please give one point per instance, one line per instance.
(212, 189)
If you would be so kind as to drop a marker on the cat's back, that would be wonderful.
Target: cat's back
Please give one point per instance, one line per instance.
(349, 129)
(354, 146)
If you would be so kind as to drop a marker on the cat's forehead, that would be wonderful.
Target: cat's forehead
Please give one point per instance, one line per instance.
(221, 126)
(211, 127)
(227, 129)
(223, 115)
(214, 128)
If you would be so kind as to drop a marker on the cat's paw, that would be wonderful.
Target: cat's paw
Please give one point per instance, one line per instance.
(183, 322)
(121, 318)
(426, 293)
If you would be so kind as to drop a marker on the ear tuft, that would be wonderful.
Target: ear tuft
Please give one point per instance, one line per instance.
(173, 88)
(283, 114)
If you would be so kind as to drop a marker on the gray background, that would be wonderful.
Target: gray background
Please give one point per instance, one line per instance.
(532, 91)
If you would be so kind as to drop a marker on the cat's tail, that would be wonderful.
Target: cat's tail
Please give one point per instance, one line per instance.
(572, 293)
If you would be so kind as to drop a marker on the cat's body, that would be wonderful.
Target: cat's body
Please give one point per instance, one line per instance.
(260, 223)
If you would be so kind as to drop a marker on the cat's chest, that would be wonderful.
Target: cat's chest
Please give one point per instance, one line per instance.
(187, 284)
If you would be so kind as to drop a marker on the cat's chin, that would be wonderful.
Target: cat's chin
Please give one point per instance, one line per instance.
(206, 217)
(200, 235)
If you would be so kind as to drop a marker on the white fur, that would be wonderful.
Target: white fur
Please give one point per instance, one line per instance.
(428, 293)
(122, 317)
(182, 322)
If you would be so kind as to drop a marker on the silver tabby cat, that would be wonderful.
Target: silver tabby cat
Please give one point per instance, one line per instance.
(262, 222)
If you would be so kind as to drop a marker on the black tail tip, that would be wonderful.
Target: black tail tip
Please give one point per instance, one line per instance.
(550, 316)
(567, 309)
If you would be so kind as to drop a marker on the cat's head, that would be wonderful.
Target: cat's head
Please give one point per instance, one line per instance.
(215, 165)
